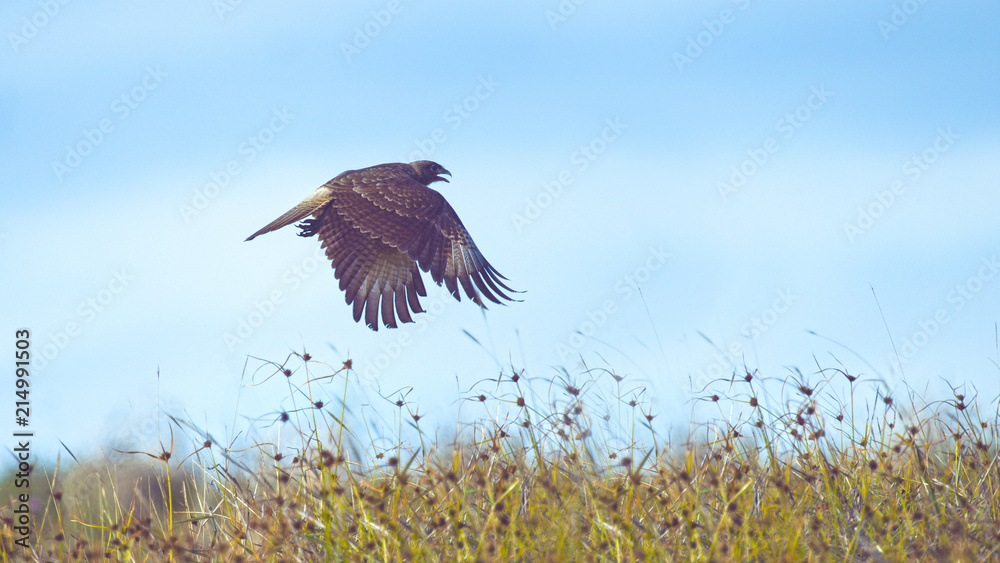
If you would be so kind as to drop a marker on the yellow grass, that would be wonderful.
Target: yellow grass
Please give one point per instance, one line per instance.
(820, 468)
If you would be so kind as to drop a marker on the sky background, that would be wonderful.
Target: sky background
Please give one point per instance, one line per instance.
(775, 176)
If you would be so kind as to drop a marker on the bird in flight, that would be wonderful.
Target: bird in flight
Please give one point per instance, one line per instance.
(378, 224)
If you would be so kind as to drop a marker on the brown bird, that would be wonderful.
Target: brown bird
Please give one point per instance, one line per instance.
(378, 225)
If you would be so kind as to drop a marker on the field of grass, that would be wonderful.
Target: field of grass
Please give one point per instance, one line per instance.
(819, 467)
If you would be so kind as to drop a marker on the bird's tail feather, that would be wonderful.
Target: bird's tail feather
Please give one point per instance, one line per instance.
(296, 213)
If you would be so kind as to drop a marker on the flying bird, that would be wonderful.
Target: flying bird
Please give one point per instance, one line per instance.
(378, 225)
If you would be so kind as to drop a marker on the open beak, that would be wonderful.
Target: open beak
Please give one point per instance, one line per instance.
(444, 179)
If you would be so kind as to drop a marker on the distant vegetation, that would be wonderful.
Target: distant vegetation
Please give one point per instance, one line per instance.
(825, 467)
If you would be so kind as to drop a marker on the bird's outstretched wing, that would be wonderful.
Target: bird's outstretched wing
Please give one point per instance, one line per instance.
(376, 277)
(388, 204)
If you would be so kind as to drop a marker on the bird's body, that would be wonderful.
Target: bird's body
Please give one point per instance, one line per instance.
(380, 226)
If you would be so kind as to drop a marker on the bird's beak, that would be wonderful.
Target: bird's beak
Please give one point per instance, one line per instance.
(445, 179)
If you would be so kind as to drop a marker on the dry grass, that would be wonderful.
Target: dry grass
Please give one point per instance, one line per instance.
(798, 473)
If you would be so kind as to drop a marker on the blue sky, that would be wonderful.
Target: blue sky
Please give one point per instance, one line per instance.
(756, 169)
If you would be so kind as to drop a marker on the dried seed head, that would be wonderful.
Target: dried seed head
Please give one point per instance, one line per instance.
(326, 458)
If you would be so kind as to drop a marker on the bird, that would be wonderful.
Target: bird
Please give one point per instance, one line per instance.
(380, 226)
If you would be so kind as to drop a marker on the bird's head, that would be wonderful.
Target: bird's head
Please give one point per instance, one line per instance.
(429, 172)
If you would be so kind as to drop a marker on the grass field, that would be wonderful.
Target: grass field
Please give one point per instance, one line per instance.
(824, 467)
